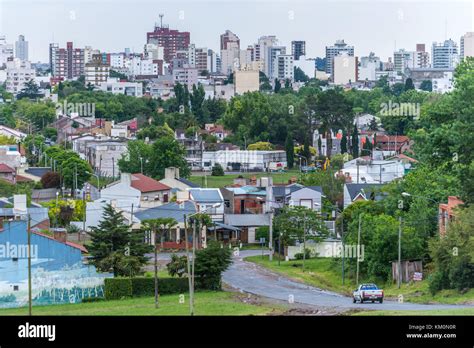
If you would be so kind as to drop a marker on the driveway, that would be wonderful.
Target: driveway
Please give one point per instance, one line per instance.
(251, 278)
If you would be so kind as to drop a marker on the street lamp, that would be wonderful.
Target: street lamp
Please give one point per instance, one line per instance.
(98, 179)
(191, 288)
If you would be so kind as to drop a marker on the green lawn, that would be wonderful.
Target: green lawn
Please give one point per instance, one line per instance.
(206, 303)
(326, 273)
(221, 181)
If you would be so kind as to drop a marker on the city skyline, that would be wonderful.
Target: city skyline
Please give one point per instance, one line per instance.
(395, 23)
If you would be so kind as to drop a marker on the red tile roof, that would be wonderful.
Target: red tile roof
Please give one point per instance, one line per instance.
(144, 183)
(6, 169)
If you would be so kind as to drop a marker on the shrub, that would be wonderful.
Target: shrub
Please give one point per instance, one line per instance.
(299, 256)
(50, 180)
(118, 288)
(210, 263)
(92, 299)
(177, 266)
(262, 232)
(217, 170)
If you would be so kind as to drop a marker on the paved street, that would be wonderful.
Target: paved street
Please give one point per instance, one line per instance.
(251, 278)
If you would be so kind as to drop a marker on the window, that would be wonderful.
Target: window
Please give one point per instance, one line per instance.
(16, 288)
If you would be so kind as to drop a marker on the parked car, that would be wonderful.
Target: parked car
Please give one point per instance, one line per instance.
(367, 292)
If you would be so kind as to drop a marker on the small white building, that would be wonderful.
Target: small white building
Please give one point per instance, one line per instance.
(115, 86)
(18, 73)
(249, 160)
(368, 171)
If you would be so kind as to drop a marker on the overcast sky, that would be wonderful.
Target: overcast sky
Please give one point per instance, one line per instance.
(112, 25)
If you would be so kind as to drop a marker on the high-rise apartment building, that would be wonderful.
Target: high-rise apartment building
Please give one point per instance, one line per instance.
(21, 48)
(96, 72)
(6, 51)
(332, 51)
(467, 45)
(67, 63)
(18, 73)
(298, 49)
(403, 59)
(228, 37)
(170, 39)
(445, 55)
(270, 56)
(283, 68)
(422, 57)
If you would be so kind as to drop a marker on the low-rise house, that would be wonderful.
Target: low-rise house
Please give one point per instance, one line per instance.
(397, 143)
(39, 218)
(138, 190)
(175, 239)
(357, 192)
(369, 171)
(209, 200)
(103, 156)
(294, 195)
(173, 180)
(245, 199)
(247, 224)
(216, 130)
(447, 213)
(13, 133)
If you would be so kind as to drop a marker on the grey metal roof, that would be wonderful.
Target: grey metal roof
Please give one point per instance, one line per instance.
(225, 226)
(206, 195)
(355, 189)
(243, 220)
(279, 191)
(188, 182)
(38, 171)
(170, 210)
(37, 215)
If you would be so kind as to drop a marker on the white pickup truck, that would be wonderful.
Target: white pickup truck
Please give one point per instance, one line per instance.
(367, 292)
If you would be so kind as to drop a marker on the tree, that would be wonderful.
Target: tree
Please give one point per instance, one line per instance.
(290, 150)
(409, 84)
(426, 85)
(344, 143)
(114, 247)
(300, 76)
(168, 152)
(332, 186)
(138, 154)
(260, 146)
(211, 262)
(217, 170)
(297, 223)
(50, 180)
(355, 142)
(30, 90)
(76, 172)
(159, 228)
(277, 86)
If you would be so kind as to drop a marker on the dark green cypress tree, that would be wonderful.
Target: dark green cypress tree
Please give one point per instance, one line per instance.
(290, 150)
(355, 142)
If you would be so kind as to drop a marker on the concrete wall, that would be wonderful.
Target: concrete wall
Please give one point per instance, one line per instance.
(323, 249)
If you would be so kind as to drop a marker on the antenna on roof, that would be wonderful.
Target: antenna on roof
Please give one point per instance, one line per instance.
(161, 15)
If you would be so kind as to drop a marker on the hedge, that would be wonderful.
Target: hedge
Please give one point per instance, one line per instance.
(118, 288)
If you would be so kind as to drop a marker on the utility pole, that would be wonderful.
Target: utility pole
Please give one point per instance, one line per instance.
(304, 241)
(187, 260)
(399, 280)
(156, 266)
(29, 266)
(192, 270)
(270, 235)
(343, 247)
(358, 251)
(113, 168)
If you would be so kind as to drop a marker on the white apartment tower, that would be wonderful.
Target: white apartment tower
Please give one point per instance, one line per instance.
(338, 48)
(445, 55)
